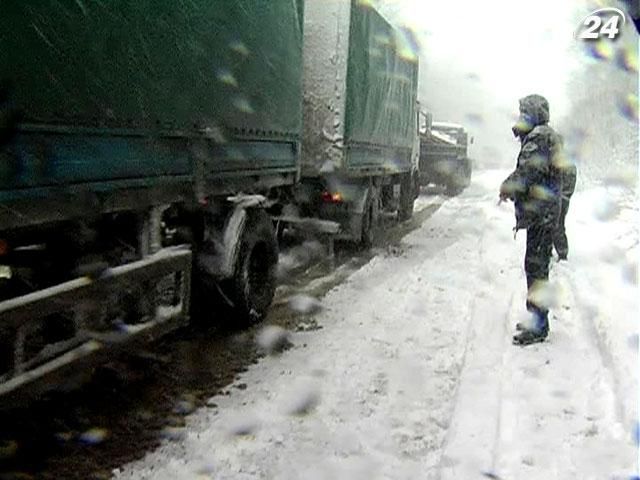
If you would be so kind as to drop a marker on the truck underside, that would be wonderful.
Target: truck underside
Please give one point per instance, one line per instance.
(357, 203)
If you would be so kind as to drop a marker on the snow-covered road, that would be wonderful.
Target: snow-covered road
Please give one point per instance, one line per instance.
(413, 374)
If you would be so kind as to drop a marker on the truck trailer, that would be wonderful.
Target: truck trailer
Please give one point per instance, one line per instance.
(360, 144)
(140, 143)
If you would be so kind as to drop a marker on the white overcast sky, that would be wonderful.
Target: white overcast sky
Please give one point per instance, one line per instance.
(480, 57)
(515, 47)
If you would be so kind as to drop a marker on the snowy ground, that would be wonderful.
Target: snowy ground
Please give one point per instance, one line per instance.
(413, 374)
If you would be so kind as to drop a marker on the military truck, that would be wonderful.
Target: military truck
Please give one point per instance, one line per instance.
(360, 140)
(444, 160)
(141, 144)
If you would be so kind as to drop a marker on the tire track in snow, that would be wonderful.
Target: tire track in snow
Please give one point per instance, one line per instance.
(525, 412)
(588, 312)
(559, 413)
(472, 440)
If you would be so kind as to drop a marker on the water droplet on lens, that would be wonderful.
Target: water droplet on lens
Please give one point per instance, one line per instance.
(184, 407)
(605, 210)
(240, 48)
(600, 50)
(630, 272)
(303, 399)
(173, 433)
(304, 304)
(273, 339)
(474, 119)
(243, 425)
(94, 436)
(628, 106)
(226, 77)
(627, 59)
(243, 105)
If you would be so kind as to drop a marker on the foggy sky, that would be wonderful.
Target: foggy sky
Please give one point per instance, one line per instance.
(478, 58)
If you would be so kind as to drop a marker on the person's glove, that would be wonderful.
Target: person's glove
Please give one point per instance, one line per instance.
(508, 189)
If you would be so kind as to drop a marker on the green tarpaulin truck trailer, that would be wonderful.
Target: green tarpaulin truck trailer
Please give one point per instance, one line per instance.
(360, 119)
(139, 141)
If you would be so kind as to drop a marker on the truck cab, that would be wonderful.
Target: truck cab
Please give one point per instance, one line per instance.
(444, 159)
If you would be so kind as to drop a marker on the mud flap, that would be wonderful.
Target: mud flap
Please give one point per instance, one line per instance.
(358, 211)
(226, 256)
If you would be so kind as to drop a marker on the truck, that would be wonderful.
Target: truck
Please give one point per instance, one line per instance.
(360, 143)
(141, 143)
(149, 152)
(444, 159)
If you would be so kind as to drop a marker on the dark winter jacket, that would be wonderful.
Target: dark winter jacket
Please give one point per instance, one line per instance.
(568, 176)
(535, 185)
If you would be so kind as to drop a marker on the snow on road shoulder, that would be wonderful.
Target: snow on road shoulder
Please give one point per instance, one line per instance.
(369, 395)
(414, 374)
(564, 409)
(605, 283)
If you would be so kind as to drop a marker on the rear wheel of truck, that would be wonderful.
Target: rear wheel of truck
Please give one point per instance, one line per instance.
(415, 178)
(407, 197)
(452, 189)
(254, 279)
(370, 219)
(467, 172)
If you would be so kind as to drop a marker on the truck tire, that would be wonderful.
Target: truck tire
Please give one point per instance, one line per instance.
(370, 219)
(253, 284)
(467, 172)
(407, 197)
(452, 188)
(459, 180)
(415, 178)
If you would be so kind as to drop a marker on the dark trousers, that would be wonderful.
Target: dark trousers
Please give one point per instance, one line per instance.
(560, 241)
(536, 266)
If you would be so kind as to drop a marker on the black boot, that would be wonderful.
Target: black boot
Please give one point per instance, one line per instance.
(527, 337)
(535, 334)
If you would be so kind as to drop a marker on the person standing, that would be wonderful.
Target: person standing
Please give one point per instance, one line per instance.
(534, 187)
(568, 175)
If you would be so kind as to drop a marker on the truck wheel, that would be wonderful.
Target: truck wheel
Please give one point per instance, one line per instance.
(405, 209)
(415, 178)
(457, 182)
(370, 219)
(452, 188)
(467, 173)
(254, 280)
(386, 195)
